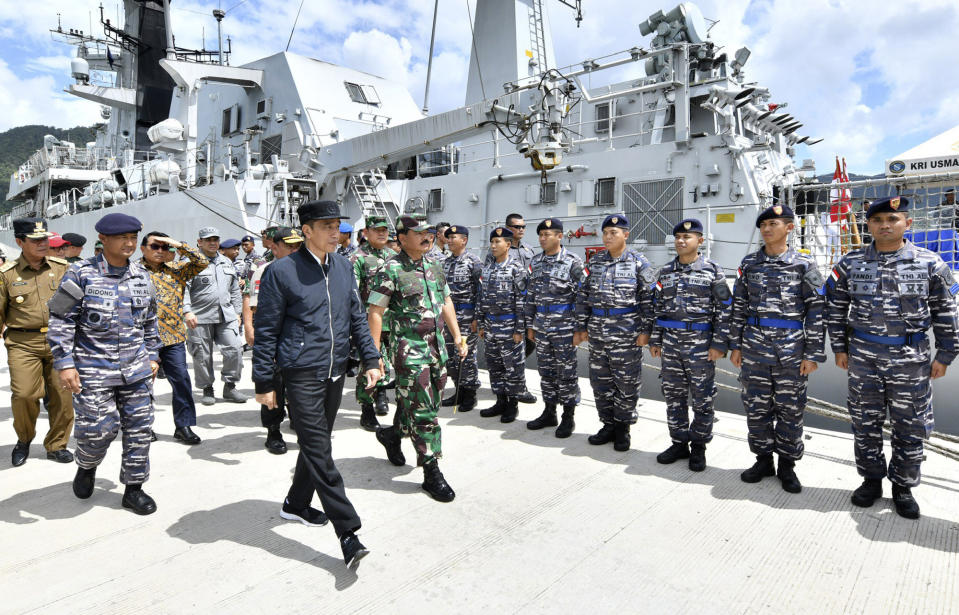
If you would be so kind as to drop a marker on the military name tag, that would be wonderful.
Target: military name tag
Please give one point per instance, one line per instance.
(625, 270)
(700, 279)
(668, 280)
(93, 291)
(755, 277)
(559, 271)
(19, 284)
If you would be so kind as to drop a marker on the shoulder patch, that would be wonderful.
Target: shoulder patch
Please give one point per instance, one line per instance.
(815, 279)
(649, 275)
(7, 266)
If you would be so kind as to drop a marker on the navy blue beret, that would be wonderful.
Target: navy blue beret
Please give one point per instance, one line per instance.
(549, 224)
(118, 224)
(689, 225)
(774, 212)
(247, 238)
(75, 239)
(229, 243)
(616, 220)
(892, 203)
(502, 232)
(457, 230)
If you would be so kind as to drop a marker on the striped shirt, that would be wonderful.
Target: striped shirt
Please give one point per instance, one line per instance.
(170, 280)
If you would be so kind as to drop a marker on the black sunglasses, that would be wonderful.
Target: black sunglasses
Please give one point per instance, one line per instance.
(160, 246)
(516, 225)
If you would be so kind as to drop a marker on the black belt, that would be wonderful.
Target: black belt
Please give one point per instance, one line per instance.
(40, 330)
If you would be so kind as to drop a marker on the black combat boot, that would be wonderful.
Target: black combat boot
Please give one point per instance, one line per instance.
(451, 401)
(368, 417)
(138, 501)
(467, 400)
(603, 436)
(906, 505)
(621, 435)
(697, 456)
(435, 484)
(763, 467)
(675, 452)
(787, 475)
(867, 493)
(83, 482)
(567, 425)
(274, 440)
(496, 409)
(381, 404)
(389, 437)
(546, 419)
(510, 411)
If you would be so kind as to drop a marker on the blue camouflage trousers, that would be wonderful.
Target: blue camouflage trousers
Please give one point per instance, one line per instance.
(615, 375)
(878, 386)
(506, 361)
(774, 397)
(556, 363)
(686, 372)
(101, 412)
(465, 375)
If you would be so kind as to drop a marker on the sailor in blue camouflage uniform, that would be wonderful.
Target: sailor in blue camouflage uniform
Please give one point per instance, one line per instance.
(105, 344)
(880, 302)
(777, 338)
(614, 310)
(501, 318)
(463, 270)
(692, 303)
(554, 281)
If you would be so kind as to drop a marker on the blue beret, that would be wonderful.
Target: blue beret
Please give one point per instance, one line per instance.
(118, 224)
(229, 243)
(247, 238)
(616, 220)
(892, 203)
(457, 230)
(774, 212)
(501, 232)
(549, 224)
(75, 239)
(346, 227)
(689, 225)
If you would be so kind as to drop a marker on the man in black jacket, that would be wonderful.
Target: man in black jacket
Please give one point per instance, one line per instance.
(308, 312)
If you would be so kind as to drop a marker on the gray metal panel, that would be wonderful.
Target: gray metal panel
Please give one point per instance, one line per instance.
(653, 208)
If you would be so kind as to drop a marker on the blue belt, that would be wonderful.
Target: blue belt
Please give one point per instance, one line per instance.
(891, 340)
(688, 326)
(614, 311)
(501, 316)
(463, 306)
(554, 308)
(778, 323)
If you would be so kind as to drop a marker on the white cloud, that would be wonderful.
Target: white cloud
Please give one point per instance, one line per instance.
(39, 100)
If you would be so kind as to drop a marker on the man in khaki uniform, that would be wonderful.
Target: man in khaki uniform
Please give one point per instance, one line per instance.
(26, 284)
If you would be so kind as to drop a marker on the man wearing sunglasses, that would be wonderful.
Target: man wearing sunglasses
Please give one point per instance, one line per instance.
(170, 280)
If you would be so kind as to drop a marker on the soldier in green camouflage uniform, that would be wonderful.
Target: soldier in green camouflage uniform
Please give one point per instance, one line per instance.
(413, 289)
(367, 259)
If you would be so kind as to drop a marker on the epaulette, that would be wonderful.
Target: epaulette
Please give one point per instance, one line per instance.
(57, 259)
(7, 266)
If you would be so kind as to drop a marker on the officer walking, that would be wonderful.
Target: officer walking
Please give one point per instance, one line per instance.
(615, 309)
(463, 270)
(501, 319)
(776, 337)
(550, 320)
(103, 334)
(413, 290)
(880, 302)
(26, 284)
(692, 302)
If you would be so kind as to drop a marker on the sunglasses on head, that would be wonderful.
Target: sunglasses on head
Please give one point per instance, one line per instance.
(160, 246)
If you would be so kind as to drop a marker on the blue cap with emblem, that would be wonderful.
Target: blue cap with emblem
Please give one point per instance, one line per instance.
(617, 221)
(346, 227)
(457, 230)
(892, 204)
(229, 243)
(500, 232)
(118, 224)
(549, 224)
(775, 212)
(689, 225)
(247, 238)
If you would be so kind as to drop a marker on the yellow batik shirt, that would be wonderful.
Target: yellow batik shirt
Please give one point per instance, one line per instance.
(170, 280)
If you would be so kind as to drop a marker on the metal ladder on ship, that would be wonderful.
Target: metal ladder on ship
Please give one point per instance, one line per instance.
(537, 38)
(366, 190)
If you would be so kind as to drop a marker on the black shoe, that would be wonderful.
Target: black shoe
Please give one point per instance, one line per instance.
(867, 493)
(697, 456)
(510, 411)
(60, 456)
(308, 516)
(452, 400)
(906, 505)
(675, 452)
(274, 441)
(391, 441)
(621, 435)
(526, 398)
(763, 467)
(496, 409)
(467, 400)
(435, 484)
(786, 473)
(567, 424)
(546, 419)
(353, 550)
(185, 434)
(20, 453)
(368, 418)
(381, 403)
(83, 482)
(603, 436)
(208, 398)
(153, 436)
(138, 501)
(230, 394)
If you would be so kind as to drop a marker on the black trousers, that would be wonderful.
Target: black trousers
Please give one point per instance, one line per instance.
(272, 417)
(313, 401)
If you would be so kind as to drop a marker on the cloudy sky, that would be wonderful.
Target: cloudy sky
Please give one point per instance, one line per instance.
(873, 78)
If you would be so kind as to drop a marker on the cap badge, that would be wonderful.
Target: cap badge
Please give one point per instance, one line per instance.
(615, 220)
(687, 225)
(894, 202)
(549, 223)
(778, 210)
(499, 231)
(39, 226)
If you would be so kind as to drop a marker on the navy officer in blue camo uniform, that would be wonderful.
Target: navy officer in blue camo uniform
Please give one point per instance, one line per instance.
(881, 300)
(614, 314)
(501, 318)
(463, 271)
(692, 315)
(777, 338)
(555, 278)
(105, 344)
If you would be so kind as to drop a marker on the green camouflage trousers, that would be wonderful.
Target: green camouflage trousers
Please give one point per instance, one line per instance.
(364, 396)
(418, 390)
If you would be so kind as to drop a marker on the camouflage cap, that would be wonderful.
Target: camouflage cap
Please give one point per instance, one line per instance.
(407, 222)
(373, 221)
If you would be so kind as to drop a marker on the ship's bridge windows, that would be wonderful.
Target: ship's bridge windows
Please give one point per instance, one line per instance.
(363, 94)
(231, 120)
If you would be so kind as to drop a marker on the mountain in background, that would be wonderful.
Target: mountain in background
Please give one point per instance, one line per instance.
(18, 144)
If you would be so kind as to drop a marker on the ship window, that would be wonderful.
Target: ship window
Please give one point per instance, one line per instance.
(603, 113)
(231, 120)
(435, 202)
(363, 94)
(269, 147)
(547, 193)
(260, 107)
(605, 191)
(225, 129)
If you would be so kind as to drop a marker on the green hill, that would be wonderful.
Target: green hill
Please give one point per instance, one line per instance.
(18, 144)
